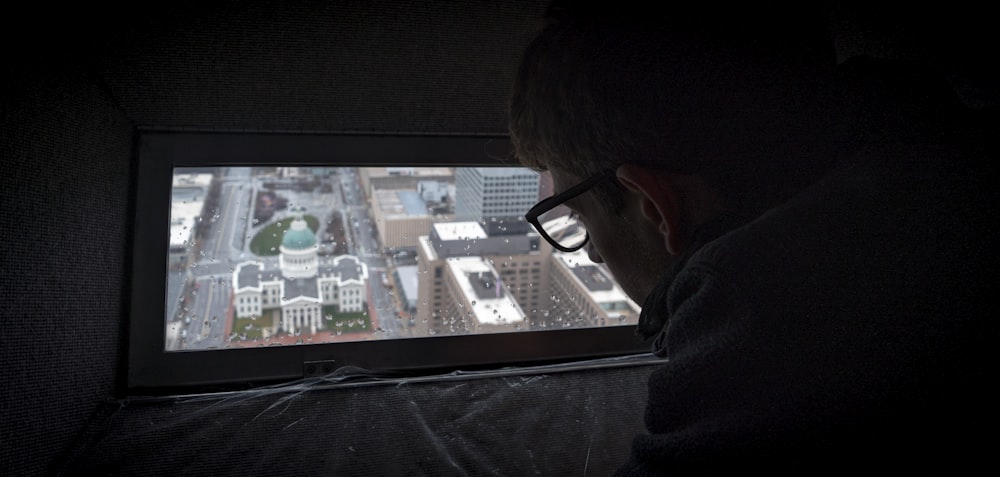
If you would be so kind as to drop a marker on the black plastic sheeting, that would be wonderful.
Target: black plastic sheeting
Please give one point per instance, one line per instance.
(564, 419)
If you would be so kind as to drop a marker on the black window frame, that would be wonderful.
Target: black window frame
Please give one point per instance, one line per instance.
(151, 370)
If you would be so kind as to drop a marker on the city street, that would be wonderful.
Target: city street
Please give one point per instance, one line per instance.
(199, 296)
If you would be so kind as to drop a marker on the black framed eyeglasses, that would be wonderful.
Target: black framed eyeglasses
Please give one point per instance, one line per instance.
(556, 224)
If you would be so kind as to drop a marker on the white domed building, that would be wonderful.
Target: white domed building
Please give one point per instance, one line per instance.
(302, 286)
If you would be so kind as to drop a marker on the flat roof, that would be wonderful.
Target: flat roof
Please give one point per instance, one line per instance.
(408, 280)
(348, 266)
(300, 287)
(200, 180)
(183, 217)
(400, 203)
(594, 279)
(412, 202)
(459, 230)
(490, 310)
(505, 171)
(407, 171)
(247, 275)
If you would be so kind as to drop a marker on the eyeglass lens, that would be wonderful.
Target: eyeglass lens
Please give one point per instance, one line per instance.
(563, 227)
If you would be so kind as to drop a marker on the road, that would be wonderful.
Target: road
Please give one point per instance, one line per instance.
(199, 297)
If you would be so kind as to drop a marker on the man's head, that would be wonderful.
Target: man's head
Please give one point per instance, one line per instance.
(697, 112)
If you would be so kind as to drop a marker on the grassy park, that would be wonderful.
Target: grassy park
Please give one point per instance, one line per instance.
(346, 322)
(249, 329)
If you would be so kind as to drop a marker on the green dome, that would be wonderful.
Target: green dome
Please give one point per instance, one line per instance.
(298, 236)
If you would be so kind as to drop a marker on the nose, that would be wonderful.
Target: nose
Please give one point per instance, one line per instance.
(592, 252)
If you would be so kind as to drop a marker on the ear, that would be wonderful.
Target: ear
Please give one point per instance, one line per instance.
(658, 201)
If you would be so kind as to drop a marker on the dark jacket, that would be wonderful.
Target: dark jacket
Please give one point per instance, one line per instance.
(842, 333)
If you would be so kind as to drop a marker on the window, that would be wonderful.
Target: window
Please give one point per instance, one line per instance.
(258, 254)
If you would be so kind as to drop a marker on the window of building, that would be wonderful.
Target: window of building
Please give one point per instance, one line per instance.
(276, 213)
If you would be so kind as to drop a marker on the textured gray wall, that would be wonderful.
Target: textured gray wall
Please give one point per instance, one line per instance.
(78, 80)
(79, 77)
(434, 66)
(65, 179)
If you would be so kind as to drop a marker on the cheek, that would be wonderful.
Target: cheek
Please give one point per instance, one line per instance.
(628, 277)
(612, 249)
(629, 259)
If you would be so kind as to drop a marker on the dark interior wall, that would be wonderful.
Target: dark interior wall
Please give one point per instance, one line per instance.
(526, 422)
(352, 65)
(79, 78)
(65, 180)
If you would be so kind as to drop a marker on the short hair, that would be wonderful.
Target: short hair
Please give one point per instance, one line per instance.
(731, 94)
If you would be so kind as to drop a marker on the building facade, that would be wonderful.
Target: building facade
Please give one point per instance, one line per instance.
(551, 289)
(518, 262)
(303, 288)
(487, 194)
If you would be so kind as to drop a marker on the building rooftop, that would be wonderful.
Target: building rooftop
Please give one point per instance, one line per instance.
(489, 309)
(408, 281)
(412, 203)
(300, 287)
(192, 180)
(505, 171)
(184, 215)
(347, 266)
(459, 230)
(298, 236)
(252, 274)
(408, 171)
(593, 278)
(248, 275)
(596, 281)
(400, 203)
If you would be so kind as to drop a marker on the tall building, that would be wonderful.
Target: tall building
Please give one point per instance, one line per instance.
(459, 262)
(400, 217)
(585, 294)
(187, 204)
(456, 254)
(496, 196)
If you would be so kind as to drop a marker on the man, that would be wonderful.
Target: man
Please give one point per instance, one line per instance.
(807, 240)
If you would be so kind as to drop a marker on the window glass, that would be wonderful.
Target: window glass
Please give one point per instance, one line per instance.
(263, 256)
